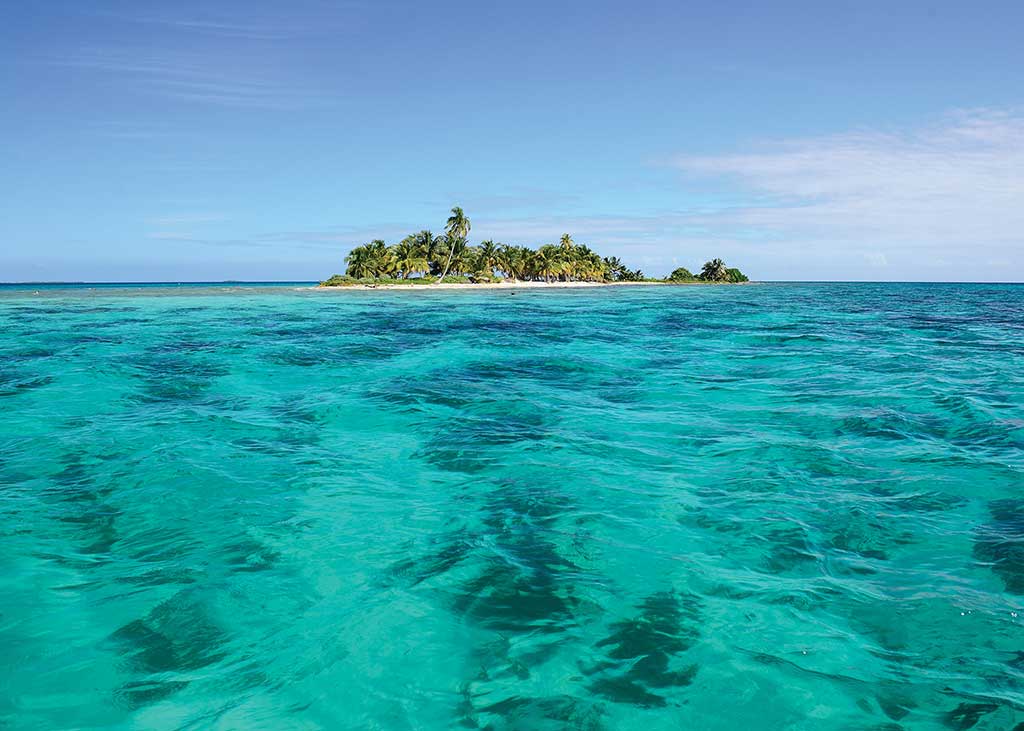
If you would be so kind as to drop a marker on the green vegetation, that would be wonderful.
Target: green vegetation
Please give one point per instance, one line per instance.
(716, 271)
(682, 274)
(423, 258)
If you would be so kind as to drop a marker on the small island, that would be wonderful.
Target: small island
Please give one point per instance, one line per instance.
(448, 259)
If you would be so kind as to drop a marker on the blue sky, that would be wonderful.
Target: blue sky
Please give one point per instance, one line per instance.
(258, 140)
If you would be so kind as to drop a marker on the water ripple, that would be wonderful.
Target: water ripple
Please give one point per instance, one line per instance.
(765, 507)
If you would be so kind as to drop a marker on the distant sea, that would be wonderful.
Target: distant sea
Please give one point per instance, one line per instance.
(780, 506)
(128, 287)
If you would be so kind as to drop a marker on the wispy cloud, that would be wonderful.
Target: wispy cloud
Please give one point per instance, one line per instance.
(227, 29)
(236, 54)
(189, 75)
(246, 21)
(948, 194)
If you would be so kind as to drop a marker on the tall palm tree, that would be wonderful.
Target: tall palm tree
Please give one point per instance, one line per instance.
(567, 253)
(457, 225)
(456, 230)
(714, 271)
(456, 254)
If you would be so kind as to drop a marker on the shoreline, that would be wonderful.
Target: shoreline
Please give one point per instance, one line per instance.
(519, 285)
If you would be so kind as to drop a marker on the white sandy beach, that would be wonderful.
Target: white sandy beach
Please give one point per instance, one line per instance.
(512, 285)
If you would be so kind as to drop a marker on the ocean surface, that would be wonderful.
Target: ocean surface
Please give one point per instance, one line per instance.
(778, 506)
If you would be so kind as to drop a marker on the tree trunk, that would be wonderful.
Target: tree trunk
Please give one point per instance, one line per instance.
(444, 273)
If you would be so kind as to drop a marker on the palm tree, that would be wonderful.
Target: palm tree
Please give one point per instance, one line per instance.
(567, 254)
(714, 271)
(374, 259)
(409, 256)
(456, 230)
(512, 260)
(588, 265)
(457, 225)
(464, 258)
(383, 259)
(457, 256)
(430, 246)
(358, 262)
(615, 268)
(486, 257)
(547, 263)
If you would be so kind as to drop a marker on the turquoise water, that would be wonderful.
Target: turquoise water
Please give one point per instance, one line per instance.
(766, 507)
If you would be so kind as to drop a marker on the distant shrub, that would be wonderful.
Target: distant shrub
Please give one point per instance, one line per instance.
(682, 274)
(735, 275)
(485, 278)
(338, 280)
(453, 279)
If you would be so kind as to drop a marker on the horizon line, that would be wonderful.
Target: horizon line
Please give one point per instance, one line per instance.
(83, 283)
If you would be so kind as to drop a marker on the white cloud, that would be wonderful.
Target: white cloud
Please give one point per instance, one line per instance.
(948, 196)
(944, 202)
